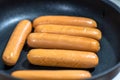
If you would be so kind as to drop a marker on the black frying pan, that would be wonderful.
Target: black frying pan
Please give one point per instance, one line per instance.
(104, 12)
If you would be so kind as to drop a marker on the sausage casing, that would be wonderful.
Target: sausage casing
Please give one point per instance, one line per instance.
(63, 58)
(51, 74)
(16, 42)
(57, 41)
(70, 30)
(65, 20)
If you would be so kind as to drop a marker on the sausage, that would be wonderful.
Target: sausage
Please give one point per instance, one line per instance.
(16, 42)
(57, 41)
(52, 74)
(62, 58)
(65, 20)
(70, 30)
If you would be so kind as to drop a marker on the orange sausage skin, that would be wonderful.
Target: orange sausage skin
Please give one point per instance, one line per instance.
(63, 58)
(70, 30)
(16, 42)
(52, 74)
(65, 20)
(57, 41)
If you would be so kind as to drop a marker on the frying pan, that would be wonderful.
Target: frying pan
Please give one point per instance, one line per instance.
(104, 12)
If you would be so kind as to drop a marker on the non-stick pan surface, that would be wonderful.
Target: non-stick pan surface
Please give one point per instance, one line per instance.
(104, 12)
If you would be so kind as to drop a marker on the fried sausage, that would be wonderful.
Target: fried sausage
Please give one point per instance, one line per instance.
(70, 30)
(57, 41)
(62, 58)
(52, 74)
(16, 42)
(65, 20)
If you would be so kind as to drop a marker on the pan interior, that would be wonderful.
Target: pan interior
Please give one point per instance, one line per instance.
(107, 18)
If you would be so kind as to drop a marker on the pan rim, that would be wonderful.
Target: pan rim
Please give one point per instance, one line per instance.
(115, 68)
